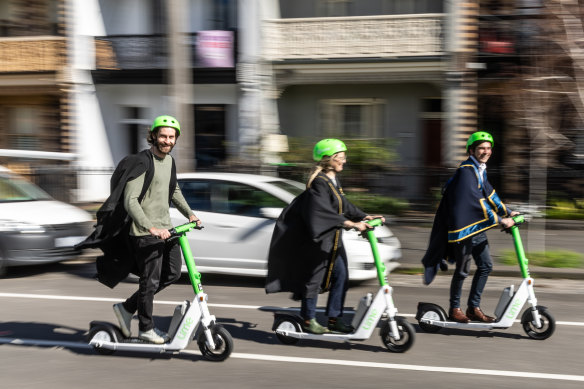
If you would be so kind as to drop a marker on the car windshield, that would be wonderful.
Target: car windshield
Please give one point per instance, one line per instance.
(14, 189)
(289, 186)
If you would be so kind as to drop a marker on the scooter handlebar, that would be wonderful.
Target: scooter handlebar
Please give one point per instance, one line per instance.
(518, 219)
(375, 222)
(179, 230)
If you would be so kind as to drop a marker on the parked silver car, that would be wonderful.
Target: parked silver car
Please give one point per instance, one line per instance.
(239, 212)
(34, 227)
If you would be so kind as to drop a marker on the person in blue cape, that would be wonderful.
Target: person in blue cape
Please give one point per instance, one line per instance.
(468, 208)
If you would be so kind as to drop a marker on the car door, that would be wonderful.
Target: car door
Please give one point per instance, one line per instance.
(236, 236)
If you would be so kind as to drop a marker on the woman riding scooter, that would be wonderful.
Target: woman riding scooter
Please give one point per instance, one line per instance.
(306, 252)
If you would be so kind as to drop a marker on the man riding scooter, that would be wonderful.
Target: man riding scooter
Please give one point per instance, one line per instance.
(469, 207)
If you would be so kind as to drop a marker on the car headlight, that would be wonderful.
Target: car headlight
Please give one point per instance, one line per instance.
(21, 227)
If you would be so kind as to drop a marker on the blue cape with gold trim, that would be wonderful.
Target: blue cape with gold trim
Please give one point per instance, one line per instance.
(468, 207)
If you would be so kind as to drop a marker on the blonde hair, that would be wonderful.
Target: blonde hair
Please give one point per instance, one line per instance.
(323, 165)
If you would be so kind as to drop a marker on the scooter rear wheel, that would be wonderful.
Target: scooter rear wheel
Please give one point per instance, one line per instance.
(103, 334)
(407, 335)
(432, 314)
(223, 344)
(286, 324)
(548, 324)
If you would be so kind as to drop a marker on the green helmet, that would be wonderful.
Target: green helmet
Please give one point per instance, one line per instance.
(327, 147)
(479, 136)
(165, 121)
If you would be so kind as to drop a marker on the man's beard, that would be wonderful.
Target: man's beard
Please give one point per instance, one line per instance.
(159, 147)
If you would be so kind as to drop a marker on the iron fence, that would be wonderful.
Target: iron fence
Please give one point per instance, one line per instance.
(420, 187)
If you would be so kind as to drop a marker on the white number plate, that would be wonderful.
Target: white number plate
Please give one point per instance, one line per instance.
(69, 241)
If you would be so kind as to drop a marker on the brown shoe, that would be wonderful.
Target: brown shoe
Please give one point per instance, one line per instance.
(458, 316)
(475, 314)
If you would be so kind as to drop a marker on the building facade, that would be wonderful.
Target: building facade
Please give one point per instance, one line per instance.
(84, 79)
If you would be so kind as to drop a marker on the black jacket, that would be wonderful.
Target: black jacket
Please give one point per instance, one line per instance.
(111, 233)
(307, 238)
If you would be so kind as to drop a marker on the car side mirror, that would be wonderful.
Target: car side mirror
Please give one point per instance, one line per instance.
(270, 212)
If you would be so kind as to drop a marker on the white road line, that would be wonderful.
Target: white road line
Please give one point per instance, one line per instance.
(233, 306)
(397, 366)
(336, 362)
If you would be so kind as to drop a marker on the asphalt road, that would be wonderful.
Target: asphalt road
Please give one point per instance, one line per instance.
(46, 311)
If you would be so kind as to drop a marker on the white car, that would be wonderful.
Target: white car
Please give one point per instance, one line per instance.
(34, 227)
(239, 212)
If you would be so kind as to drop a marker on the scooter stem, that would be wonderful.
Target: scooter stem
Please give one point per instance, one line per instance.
(521, 258)
(379, 265)
(194, 275)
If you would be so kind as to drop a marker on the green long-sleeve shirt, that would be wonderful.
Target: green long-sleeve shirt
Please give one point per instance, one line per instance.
(154, 209)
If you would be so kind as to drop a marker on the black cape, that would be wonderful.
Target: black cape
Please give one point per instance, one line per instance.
(112, 230)
(307, 238)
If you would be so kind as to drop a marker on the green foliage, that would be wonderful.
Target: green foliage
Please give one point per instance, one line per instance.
(555, 258)
(362, 154)
(376, 204)
(565, 209)
(371, 154)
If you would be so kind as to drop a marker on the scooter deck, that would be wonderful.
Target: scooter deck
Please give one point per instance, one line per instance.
(327, 336)
(471, 325)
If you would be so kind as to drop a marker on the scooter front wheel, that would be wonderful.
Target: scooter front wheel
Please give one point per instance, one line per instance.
(548, 324)
(406, 335)
(223, 344)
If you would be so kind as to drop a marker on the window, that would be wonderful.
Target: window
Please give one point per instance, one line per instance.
(135, 128)
(227, 197)
(197, 194)
(23, 128)
(224, 14)
(332, 8)
(14, 189)
(404, 7)
(288, 186)
(246, 200)
(359, 118)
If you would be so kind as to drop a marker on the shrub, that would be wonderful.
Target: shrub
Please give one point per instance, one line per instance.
(565, 209)
(376, 204)
(555, 258)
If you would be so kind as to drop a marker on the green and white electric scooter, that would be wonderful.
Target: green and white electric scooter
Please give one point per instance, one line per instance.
(397, 334)
(190, 320)
(537, 322)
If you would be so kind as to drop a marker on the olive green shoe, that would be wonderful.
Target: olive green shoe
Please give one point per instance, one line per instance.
(335, 324)
(314, 327)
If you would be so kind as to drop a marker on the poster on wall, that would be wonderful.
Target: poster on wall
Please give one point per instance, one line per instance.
(215, 49)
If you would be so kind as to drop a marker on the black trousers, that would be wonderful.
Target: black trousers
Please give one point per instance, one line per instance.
(159, 265)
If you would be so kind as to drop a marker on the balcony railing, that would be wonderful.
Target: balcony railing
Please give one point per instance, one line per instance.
(132, 52)
(386, 36)
(141, 52)
(32, 54)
